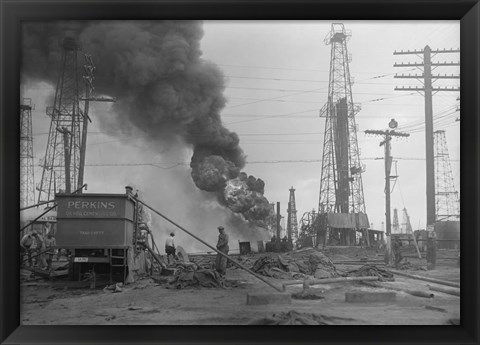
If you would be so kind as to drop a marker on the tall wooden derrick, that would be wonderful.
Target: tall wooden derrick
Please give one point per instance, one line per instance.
(341, 206)
(341, 187)
(62, 157)
(292, 224)
(27, 184)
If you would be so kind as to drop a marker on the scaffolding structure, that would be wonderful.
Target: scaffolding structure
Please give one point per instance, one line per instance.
(447, 205)
(27, 181)
(341, 187)
(292, 224)
(60, 166)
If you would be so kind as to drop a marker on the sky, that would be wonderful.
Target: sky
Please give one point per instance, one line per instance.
(276, 83)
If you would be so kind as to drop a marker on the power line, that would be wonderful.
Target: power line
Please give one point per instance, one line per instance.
(295, 69)
(304, 80)
(174, 164)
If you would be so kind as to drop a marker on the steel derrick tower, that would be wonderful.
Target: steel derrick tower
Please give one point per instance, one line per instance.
(292, 224)
(341, 188)
(27, 184)
(446, 197)
(61, 164)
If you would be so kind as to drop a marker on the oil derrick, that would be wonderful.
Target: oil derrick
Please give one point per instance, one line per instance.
(308, 232)
(27, 184)
(395, 225)
(64, 162)
(446, 197)
(341, 188)
(62, 157)
(292, 224)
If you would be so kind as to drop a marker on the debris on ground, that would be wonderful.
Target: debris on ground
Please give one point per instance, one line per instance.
(430, 307)
(246, 260)
(295, 318)
(407, 265)
(203, 261)
(117, 287)
(190, 276)
(295, 265)
(309, 294)
(372, 270)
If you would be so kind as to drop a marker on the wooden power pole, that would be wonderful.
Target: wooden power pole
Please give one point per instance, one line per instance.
(387, 137)
(427, 79)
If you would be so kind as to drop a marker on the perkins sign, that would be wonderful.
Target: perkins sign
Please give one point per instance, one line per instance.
(94, 221)
(93, 207)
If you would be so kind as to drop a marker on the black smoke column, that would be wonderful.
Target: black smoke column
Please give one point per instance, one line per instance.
(165, 91)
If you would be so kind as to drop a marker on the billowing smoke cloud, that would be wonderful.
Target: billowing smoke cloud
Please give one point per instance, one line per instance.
(164, 90)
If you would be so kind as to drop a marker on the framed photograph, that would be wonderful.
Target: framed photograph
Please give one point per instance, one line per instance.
(227, 166)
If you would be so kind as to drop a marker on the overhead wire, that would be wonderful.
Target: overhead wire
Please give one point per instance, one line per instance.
(174, 164)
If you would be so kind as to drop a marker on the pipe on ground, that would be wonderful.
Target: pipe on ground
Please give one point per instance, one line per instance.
(450, 291)
(416, 293)
(328, 281)
(427, 279)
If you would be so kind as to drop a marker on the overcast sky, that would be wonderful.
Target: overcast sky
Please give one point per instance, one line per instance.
(277, 80)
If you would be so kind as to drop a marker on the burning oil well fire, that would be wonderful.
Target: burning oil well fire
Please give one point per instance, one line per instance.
(165, 90)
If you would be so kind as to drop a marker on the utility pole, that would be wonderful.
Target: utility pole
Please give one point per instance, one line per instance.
(387, 137)
(89, 68)
(427, 79)
(88, 79)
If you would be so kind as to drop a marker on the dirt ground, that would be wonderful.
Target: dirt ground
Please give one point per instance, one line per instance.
(147, 303)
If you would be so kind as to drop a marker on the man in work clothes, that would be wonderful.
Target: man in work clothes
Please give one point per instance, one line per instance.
(222, 245)
(397, 252)
(170, 247)
(50, 244)
(28, 244)
(41, 261)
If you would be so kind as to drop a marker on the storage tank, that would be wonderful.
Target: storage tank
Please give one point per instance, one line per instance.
(98, 230)
(448, 234)
(95, 221)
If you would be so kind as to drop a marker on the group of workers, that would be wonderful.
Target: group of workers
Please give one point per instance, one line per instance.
(38, 249)
(222, 246)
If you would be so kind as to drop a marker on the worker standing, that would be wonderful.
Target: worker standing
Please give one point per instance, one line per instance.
(49, 246)
(170, 247)
(28, 244)
(397, 252)
(222, 245)
(39, 250)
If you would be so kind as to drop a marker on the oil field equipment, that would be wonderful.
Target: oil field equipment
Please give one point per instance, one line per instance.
(104, 235)
(341, 200)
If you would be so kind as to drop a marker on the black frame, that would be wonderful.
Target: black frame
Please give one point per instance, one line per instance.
(13, 12)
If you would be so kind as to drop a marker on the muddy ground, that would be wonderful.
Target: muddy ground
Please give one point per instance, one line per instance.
(146, 302)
